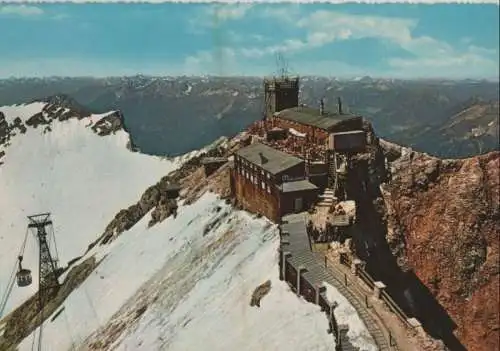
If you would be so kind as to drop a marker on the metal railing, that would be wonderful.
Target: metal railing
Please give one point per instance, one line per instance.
(384, 295)
(366, 278)
(393, 306)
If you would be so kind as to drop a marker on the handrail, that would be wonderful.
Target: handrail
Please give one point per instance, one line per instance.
(393, 306)
(367, 278)
(370, 282)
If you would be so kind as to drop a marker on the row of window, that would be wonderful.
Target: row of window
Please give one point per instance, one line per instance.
(242, 163)
(254, 179)
(251, 172)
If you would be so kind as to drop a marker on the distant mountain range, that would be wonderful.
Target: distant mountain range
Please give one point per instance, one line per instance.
(472, 130)
(172, 115)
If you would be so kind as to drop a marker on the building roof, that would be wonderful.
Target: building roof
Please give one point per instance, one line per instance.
(275, 161)
(311, 116)
(298, 185)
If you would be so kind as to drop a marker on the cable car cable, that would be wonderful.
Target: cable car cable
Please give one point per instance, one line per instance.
(52, 233)
(8, 291)
(69, 330)
(33, 340)
(10, 285)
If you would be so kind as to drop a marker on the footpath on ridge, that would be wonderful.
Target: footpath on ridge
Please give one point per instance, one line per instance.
(298, 246)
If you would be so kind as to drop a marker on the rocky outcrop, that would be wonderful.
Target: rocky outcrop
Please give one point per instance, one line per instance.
(259, 293)
(443, 220)
(4, 127)
(66, 103)
(109, 124)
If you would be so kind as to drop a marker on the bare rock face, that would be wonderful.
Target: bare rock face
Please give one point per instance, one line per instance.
(109, 124)
(68, 106)
(443, 219)
(4, 127)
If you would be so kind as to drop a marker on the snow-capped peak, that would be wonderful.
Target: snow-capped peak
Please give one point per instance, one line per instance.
(45, 115)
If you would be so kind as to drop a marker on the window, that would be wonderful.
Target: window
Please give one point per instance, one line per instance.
(268, 189)
(285, 177)
(263, 185)
(268, 175)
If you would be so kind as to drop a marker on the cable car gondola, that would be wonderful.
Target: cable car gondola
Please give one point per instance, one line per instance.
(23, 275)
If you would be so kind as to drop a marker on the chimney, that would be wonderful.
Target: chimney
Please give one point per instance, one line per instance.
(321, 107)
(339, 103)
(263, 159)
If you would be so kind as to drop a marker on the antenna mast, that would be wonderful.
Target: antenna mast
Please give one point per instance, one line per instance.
(282, 65)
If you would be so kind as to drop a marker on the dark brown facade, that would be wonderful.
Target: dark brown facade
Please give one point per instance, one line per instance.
(297, 201)
(280, 94)
(314, 134)
(255, 199)
(257, 190)
(270, 182)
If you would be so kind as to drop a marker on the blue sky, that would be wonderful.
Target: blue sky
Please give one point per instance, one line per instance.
(346, 40)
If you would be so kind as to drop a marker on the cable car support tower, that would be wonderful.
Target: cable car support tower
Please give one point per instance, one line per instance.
(48, 284)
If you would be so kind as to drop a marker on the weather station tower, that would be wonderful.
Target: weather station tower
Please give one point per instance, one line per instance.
(281, 91)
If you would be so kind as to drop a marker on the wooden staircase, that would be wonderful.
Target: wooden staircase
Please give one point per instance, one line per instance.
(327, 199)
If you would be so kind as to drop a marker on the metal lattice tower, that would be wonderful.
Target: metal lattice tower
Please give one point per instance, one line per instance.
(47, 278)
(47, 269)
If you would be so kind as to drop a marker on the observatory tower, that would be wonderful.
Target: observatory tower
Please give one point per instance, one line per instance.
(280, 92)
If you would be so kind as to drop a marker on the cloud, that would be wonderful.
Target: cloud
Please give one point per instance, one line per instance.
(211, 16)
(220, 62)
(286, 14)
(21, 10)
(288, 45)
(324, 27)
(473, 62)
(224, 13)
(428, 55)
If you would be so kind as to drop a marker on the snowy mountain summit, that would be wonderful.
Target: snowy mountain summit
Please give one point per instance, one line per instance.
(141, 269)
(44, 114)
